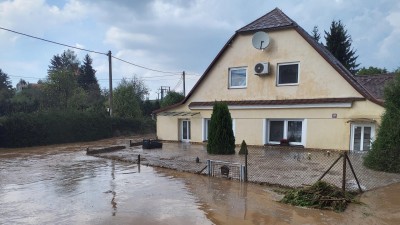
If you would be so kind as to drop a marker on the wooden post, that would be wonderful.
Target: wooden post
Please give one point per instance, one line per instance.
(138, 159)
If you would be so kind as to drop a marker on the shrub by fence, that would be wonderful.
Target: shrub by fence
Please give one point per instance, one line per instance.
(43, 128)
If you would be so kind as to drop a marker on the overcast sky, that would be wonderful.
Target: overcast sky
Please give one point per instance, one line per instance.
(175, 35)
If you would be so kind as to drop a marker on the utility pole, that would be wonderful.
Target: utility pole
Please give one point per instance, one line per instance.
(164, 91)
(183, 78)
(110, 82)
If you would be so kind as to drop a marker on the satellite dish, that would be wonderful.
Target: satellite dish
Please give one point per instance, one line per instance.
(260, 40)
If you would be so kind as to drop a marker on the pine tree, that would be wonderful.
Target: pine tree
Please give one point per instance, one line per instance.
(315, 34)
(87, 76)
(220, 137)
(338, 42)
(385, 152)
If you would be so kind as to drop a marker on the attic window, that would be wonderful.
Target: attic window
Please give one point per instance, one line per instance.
(238, 77)
(288, 74)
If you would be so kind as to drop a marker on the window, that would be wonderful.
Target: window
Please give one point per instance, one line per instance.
(237, 77)
(288, 74)
(206, 125)
(292, 130)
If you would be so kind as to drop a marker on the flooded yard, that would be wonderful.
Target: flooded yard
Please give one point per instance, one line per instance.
(62, 185)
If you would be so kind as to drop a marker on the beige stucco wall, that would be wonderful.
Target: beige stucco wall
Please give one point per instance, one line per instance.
(317, 79)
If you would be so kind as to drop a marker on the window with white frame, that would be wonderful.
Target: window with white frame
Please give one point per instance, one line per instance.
(206, 125)
(291, 130)
(238, 77)
(288, 74)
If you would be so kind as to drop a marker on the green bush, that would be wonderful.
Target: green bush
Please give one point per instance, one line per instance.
(220, 136)
(243, 149)
(54, 127)
(385, 152)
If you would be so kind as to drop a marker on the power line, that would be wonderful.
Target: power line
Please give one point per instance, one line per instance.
(54, 42)
(143, 67)
(122, 60)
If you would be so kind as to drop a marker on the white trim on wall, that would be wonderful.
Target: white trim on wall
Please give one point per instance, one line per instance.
(296, 106)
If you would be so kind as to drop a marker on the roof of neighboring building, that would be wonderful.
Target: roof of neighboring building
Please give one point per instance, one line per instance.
(375, 84)
(277, 20)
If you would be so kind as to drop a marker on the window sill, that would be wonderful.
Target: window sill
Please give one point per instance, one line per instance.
(237, 87)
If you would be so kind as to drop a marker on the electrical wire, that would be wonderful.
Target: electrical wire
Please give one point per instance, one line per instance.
(147, 68)
(87, 50)
(54, 42)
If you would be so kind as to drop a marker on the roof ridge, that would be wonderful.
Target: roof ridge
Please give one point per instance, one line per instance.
(275, 19)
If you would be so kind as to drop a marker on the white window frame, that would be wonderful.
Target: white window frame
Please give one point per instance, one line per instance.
(284, 64)
(266, 129)
(189, 128)
(205, 128)
(230, 79)
(362, 125)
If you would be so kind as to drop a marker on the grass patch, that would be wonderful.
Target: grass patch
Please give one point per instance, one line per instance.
(320, 195)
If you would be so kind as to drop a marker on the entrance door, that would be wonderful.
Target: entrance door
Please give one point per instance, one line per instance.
(185, 130)
(362, 136)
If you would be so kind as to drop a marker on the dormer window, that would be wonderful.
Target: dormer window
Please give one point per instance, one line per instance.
(288, 74)
(238, 77)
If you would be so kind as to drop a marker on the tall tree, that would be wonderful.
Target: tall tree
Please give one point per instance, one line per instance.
(385, 152)
(315, 34)
(67, 61)
(220, 136)
(371, 71)
(338, 42)
(87, 76)
(128, 96)
(6, 92)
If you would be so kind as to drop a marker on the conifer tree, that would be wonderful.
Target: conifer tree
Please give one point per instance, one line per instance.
(87, 76)
(220, 137)
(338, 42)
(385, 152)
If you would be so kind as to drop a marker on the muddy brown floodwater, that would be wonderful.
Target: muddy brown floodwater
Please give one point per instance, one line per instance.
(60, 184)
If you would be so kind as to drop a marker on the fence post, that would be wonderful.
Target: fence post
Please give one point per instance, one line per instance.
(209, 167)
(138, 159)
(245, 165)
(344, 172)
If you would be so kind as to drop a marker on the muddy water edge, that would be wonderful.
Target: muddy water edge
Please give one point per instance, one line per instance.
(59, 184)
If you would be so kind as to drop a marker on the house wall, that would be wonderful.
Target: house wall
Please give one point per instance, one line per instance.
(322, 131)
(317, 79)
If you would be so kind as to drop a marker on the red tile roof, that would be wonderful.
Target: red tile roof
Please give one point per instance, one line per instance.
(375, 84)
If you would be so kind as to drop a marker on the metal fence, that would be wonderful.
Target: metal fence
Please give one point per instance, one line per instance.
(289, 166)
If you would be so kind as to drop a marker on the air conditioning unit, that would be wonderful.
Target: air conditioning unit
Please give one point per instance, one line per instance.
(261, 69)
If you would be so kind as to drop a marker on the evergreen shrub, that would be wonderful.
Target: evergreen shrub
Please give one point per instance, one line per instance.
(220, 135)
(385, 152)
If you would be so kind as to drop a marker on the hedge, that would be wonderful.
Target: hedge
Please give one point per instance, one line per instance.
(44, 128)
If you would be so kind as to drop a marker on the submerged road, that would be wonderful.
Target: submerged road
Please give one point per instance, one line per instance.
(62, 185)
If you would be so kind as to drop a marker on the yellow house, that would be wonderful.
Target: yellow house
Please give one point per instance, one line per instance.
(279, 84)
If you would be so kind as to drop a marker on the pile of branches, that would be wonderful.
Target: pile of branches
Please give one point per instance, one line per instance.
(320, 195)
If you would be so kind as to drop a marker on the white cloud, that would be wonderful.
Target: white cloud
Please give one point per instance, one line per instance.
(122, 38)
